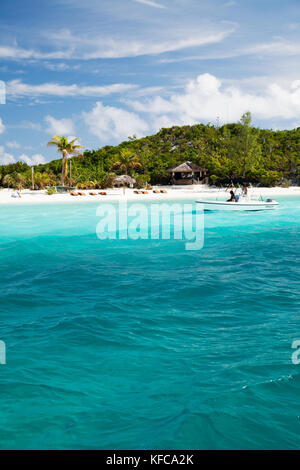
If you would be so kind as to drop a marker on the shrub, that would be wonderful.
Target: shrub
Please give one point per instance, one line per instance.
(51, 190)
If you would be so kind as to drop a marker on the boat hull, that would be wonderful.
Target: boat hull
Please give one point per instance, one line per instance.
(237, 206)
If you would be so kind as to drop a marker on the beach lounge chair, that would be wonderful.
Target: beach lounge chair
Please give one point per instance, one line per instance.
(138, 192)
(145, 192)
(103, 193)
(163, 191)
(156, 191)
(74, 194)
(93, 194)
(81, 193)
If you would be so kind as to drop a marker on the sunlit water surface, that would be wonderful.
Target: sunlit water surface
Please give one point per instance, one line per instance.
(123, 344)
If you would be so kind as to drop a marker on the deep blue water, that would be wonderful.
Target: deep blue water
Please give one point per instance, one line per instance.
(123, 344)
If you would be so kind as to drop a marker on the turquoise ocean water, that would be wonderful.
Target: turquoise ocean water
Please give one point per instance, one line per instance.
(124, 344)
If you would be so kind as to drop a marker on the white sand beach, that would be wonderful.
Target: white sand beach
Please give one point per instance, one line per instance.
(9, 196)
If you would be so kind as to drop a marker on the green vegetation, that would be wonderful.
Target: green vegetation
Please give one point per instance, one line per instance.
(234, 152)
(51, 190)
(128, 161)
(66, 149)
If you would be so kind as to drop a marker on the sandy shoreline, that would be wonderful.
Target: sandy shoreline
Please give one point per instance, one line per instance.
(115, 195)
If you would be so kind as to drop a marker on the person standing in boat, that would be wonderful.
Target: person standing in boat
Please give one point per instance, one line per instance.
(245, 191)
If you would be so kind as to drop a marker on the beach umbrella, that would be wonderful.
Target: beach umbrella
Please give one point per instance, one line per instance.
(124, 180)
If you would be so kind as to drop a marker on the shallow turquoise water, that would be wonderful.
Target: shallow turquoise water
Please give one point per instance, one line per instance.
(141, 344)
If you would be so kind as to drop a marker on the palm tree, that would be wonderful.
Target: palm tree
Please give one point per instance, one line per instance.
(8, 181)
(67, 149)
(43, 179)
(15, 180)
(127, 161)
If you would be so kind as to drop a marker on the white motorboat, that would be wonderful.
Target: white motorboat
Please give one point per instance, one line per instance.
(243, 204)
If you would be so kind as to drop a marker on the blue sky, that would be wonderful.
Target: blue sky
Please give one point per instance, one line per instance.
(104, 70)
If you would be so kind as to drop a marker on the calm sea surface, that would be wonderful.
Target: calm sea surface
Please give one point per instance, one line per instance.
(123, 344)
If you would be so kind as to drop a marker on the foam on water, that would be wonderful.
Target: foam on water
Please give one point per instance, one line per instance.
(142, 344)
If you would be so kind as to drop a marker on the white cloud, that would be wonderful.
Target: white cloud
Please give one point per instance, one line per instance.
(293, 26)
(35, 159)
(7, 158)
(87, 47)
(59, 126)
(2, 126)
(206, 98)
(148, 91)
(15, 52)
(107, 122)
(60, 67)
(202, 100)
(28, 125)
(278, 47)
(65, 45)
(13, 145)
(2, 92)
(16, 88)
(150, 3)
(11, 52)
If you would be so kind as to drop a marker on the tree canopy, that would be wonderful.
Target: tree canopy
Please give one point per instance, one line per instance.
(233, 152)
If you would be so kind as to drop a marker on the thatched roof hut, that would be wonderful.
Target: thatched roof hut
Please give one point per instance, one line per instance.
(187, 173)
(124, 180)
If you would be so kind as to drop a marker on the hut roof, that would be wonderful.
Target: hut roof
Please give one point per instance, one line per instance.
(186, 167)
(124, 179)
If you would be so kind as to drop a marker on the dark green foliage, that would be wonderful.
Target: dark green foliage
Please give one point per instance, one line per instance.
(234, 152)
